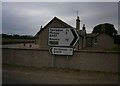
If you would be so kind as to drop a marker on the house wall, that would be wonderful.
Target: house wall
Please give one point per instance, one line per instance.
(89, 44)
(43, 36)
(104, 41)
(37, 40)
(82, 60)
(43, 39)
(79, 44)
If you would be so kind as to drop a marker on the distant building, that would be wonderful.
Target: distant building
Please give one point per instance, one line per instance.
(91, 40)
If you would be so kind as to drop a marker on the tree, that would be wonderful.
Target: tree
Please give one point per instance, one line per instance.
(106, 28)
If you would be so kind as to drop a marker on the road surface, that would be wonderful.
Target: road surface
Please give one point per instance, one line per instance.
(24, 75)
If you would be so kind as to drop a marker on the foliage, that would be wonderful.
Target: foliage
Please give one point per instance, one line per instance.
(108, 28)
(15, 36)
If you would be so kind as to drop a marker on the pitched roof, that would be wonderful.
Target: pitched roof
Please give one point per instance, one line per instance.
(115, 37)
(55, 19)
(97, 34)
(92, 34)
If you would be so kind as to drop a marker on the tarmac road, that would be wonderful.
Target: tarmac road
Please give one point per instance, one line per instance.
(24, 75)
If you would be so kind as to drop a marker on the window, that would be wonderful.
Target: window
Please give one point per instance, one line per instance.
(89, 41)
(95, 41)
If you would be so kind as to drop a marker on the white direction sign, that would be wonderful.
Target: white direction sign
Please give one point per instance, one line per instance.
(61, 51)
(62, 37)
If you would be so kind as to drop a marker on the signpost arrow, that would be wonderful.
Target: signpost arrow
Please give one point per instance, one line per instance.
(61, 51)
(62, 37)
(76, 37)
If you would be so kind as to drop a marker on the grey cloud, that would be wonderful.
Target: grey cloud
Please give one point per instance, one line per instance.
(26, 18)
(60, 0)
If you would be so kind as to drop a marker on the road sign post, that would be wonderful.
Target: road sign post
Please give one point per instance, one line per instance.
(62, 37)
(61, 51)
(62, 40)
(67, 63)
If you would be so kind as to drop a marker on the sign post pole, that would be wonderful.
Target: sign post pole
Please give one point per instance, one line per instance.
(53, 62)
(67, 62)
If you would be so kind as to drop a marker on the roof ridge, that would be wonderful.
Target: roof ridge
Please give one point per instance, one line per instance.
(59, 20)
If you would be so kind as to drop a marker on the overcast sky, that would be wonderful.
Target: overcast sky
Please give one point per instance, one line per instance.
(26, 18)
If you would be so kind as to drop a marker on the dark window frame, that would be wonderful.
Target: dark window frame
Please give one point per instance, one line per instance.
(95, 41)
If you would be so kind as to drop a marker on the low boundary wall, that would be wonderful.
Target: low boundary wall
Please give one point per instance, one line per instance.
(82, 60)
